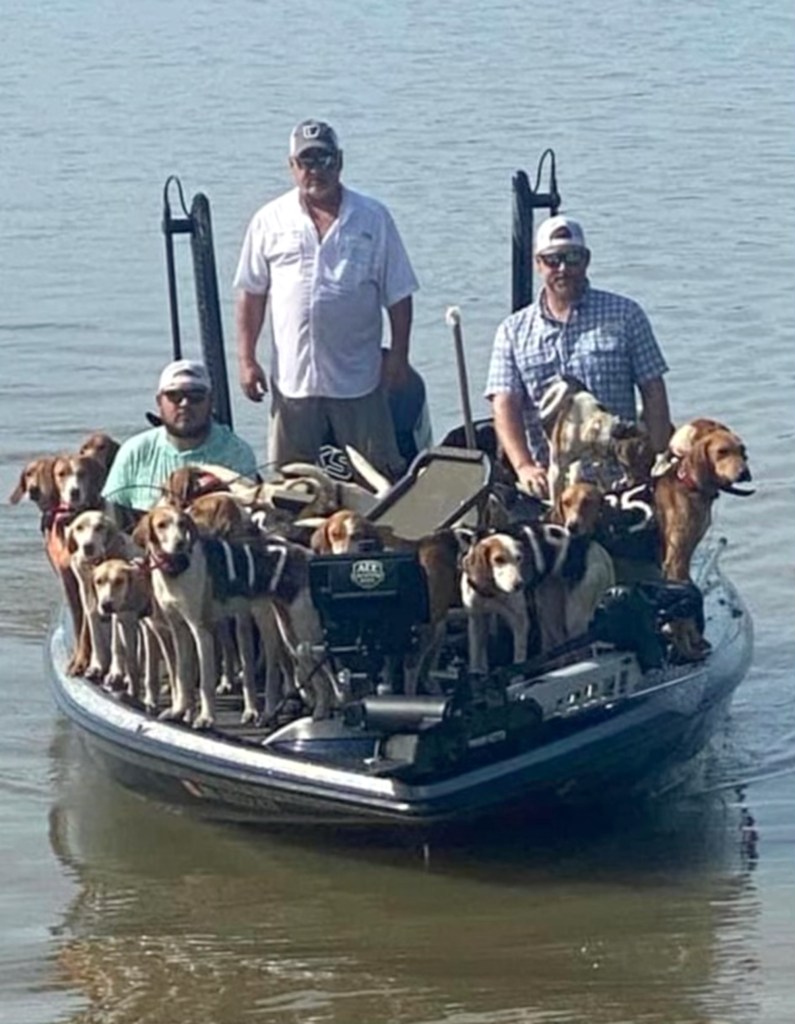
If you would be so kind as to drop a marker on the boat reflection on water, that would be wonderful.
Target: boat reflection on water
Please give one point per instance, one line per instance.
(175, 920)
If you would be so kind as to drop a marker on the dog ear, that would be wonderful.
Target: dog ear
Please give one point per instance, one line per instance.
(192, 528)
(477, 564)
(20, 490)
(698, 462)
(320, 542)
(142, 531)
(71, 543)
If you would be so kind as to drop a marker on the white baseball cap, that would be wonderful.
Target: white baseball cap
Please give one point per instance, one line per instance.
(559, 232)
(184, 373)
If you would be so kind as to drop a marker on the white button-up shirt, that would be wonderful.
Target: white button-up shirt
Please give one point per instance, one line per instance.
(326, 297)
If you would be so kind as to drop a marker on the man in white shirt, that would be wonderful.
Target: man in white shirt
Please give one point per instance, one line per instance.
(331, 261)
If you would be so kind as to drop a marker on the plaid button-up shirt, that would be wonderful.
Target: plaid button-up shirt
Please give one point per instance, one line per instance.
(607, 343)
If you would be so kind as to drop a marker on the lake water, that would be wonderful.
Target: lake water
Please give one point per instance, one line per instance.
(672, 125)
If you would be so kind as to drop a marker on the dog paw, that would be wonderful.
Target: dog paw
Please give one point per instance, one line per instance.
(76, 667)
(114, 681)
(203, 722)
(174, 714)
(249, 716)
(94, 673)
(224, 686)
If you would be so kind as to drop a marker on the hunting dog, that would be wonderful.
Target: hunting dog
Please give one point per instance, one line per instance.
(273, 574)
(92, 537)
(102, 448)
(578, 427)
(37, 482)
(139, 637)
(714, 460)
(502, 571)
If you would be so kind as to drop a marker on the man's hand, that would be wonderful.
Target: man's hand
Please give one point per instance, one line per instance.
(533, 479)
(253, 381)
(394, 370)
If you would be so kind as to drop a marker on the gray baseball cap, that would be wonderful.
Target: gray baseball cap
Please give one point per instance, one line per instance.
(313, 134)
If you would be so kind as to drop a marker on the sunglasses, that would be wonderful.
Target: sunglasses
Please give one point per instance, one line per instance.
(191, 397)
(569, 258)
(317, 160)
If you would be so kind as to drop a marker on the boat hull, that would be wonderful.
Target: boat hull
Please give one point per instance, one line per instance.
(611, 752)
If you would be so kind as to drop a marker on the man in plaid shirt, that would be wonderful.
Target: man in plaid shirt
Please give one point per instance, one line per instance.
(602, 339)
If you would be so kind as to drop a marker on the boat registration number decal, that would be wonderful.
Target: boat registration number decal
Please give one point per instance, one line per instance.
(368, 573)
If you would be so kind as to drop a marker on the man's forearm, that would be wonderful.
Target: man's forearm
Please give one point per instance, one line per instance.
(510, 430)
(249, 317)
(400, 316)
(656, 413)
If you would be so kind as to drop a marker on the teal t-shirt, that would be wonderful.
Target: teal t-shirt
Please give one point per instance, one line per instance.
(145, 461)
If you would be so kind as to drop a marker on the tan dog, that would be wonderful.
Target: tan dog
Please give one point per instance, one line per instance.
(78, 482)
(37, 482)
(92, 537)
(715, 460)
(123, 592)
(219, 514)
(682, 441)
(579, 508)
(187, 483)
(345, 532)
(534, 567)
(102, 448)
(184, 589)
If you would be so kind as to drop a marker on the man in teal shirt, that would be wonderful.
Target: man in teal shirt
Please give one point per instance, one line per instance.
(188, 436)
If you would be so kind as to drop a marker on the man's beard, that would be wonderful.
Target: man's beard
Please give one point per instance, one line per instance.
(188, 432)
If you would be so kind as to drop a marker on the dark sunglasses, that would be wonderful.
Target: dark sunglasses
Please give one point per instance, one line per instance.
(191, 397)
(318, 160)
(569, 257)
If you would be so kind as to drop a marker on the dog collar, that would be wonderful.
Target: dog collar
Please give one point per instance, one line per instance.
(685, 477)
(208, 483)
(480, 591)
(169, 565)
(57, 518)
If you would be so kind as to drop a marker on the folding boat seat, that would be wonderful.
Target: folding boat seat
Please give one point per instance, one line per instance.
(444, 486)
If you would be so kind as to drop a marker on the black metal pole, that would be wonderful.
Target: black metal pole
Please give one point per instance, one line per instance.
(521, 242)
(172, 227)
(209, 306)
(525, 201)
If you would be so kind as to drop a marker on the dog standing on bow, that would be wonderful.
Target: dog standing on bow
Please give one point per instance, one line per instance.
(705, 459)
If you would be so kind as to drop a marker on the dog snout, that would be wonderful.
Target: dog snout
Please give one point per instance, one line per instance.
(745, 475)
(106, 608)
(89, 549)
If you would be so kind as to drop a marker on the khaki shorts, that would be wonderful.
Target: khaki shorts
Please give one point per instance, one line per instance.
(299, 426)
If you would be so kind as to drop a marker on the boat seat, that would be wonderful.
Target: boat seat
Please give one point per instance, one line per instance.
(442, 487)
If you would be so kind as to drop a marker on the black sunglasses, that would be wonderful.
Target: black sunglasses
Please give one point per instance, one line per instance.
(317, 160)
(569, 257)
(191, 397)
